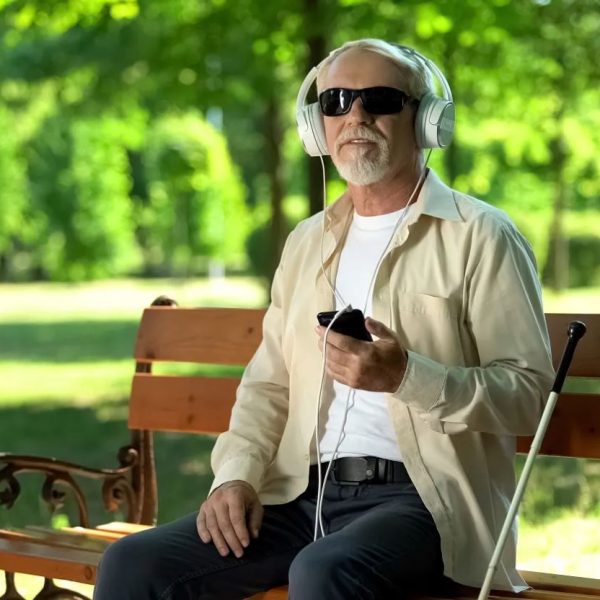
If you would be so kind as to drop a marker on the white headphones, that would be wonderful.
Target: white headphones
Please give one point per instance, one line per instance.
(434, 121)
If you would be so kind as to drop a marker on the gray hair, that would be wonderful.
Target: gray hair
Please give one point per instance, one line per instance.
(420, 80)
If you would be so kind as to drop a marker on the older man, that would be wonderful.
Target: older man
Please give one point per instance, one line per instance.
(416, 429)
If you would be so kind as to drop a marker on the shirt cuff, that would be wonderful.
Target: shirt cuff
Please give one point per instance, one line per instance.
(423, 382)
(244, 469)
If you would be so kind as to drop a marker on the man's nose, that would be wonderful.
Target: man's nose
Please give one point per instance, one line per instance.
(357, 113)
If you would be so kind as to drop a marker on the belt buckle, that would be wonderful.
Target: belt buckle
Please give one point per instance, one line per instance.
(365, 468)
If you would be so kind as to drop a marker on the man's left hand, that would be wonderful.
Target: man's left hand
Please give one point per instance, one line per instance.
(376, 366)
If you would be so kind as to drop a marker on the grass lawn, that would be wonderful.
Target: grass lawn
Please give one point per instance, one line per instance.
(65, 368)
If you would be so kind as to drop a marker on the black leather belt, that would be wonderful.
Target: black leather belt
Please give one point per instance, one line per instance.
(352, 470)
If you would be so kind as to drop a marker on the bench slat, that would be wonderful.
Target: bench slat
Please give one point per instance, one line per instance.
(204, 335)
(56, 562)
(561, 582)
(280, 593)
(192, 404)
(203, 405)
(230, 336)
(574, 429)
(586, 362)
(121, 528)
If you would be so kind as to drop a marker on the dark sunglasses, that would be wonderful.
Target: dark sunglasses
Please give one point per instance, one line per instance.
(375, 100)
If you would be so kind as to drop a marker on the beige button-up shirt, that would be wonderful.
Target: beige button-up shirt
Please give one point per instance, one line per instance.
(459, 287)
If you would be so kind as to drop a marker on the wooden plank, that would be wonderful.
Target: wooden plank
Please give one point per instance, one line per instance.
(54, 537)
(574, 429)
(205, 335)
(560, 582)
(96, 534)
(281, 593)
(231, 335)
(122, 528)
(174, 403)
(203, 405)
(586, 362)
(48, 561)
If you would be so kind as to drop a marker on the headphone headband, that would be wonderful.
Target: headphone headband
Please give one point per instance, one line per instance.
(431, 67)
(434, 121)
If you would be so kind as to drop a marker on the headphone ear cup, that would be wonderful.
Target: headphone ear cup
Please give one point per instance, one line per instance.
(312, 130)
(434, 122)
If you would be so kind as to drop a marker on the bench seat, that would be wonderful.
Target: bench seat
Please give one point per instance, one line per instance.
(74, 554)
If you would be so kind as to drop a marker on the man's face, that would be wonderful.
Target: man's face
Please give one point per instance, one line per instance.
(369, 148)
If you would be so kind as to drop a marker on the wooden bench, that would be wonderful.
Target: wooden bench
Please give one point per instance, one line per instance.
(200, 404)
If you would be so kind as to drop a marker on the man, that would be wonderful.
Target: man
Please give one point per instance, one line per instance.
(423, 446)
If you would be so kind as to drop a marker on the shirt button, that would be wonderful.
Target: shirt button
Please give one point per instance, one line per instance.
(307, 457)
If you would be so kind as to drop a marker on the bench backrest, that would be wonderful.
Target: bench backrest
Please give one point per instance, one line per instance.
(229, 336)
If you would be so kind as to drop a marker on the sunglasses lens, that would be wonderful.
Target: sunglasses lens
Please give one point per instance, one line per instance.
(383, 100)
(376, 100)
(335, 101)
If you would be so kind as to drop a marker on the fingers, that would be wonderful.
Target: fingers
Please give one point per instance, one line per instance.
(255, 517)
(222, 518)
(208, 528)
(201, 525)
(338, 340)
(214, 527)
(227, 532)
(343, 375)
(237, 518)
(378, 329)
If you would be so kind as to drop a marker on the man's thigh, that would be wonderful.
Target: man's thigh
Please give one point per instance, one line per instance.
(170, 562)
(382, 540)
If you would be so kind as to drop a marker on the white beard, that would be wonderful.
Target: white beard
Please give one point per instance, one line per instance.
(368, 165)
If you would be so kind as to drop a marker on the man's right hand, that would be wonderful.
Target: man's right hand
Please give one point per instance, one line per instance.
(229, 516)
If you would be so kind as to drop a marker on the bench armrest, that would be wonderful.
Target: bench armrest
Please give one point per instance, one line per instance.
(60, 479)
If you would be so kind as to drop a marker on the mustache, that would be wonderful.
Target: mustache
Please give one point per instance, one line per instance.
(363, 133)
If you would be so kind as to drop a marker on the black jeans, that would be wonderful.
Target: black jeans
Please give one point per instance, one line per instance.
(380, 541)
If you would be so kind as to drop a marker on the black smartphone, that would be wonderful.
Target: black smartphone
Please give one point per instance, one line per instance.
(350, 323)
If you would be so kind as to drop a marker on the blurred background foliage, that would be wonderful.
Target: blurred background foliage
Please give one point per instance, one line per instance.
(158, 137)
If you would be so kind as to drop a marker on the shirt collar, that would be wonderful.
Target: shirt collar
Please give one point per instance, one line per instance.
(435, 199)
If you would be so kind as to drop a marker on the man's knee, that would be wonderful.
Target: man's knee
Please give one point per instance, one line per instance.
(126, 564)
(319, 568)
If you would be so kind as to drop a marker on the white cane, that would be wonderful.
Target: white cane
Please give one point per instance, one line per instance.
(576, 331)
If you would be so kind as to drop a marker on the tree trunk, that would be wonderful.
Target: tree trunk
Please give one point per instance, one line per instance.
(317, 44)
(4, 270)
(274, 138)
(556, 269)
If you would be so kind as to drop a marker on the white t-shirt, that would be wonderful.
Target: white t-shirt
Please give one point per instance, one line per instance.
(368, 430)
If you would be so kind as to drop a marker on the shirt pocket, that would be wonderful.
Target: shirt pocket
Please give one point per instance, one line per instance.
(429, 325)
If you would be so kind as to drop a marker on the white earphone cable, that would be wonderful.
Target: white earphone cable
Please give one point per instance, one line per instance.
(322, 480)
(336, 294)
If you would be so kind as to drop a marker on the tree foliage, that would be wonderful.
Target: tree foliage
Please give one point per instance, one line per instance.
(12, 185)
(196, 201)
(524, 76)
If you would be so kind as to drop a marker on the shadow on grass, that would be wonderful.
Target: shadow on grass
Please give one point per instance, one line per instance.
(91, 436)
(67, 341)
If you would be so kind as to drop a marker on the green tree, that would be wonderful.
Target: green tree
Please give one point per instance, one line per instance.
(80, 202)
(196, 198)
(12, 192)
